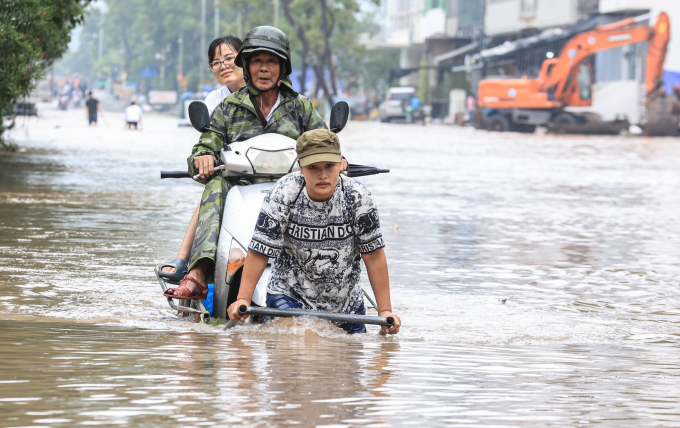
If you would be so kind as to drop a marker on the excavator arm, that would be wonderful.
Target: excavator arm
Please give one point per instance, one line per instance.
(656, 52)
(556, 73)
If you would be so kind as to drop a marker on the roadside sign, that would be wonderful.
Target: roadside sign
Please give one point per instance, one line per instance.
(163, 97)
(149, 72)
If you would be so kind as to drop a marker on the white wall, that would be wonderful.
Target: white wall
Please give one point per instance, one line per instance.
(607, 6)
(552, 13)
(433, 22)
(400, 17)
(505, 16)
(611, 99)
(502, 16)
(451, 26)
(411, 57)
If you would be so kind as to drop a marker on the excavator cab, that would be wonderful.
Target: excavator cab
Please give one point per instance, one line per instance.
(579, 87)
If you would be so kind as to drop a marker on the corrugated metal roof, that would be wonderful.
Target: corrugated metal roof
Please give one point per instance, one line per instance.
(456, 52)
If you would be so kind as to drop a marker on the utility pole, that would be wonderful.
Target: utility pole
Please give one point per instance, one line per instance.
(180, 47)
(201, 72)
(101, 42)
(162, 58)
(239, 24)
(180, 76)
(217, 19)
(277, 6)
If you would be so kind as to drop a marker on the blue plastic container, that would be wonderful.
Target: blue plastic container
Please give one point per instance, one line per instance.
(208, 301)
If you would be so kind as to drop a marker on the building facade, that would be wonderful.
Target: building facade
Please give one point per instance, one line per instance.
(527, 16)
(517, 36)
(425, 31)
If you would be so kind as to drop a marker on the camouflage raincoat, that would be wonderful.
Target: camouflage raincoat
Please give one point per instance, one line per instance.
(239, 118)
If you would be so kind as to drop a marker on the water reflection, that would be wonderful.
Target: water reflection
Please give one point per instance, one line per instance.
(535, 276)
(94, 375)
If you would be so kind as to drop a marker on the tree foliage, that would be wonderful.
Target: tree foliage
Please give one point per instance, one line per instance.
(33, 34)
(324, 37)
(325, 27)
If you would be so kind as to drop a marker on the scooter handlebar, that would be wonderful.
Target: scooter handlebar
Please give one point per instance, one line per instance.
(185, 174)
(362, 171)
(175, 174)
(343, 318)
(354, 171)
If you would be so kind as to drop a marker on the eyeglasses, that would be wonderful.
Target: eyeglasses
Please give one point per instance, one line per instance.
(215, 65)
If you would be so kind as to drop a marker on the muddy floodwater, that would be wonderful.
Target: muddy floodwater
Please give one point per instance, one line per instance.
(537, 278)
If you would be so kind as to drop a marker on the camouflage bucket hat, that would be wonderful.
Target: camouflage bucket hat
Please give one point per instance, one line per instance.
(318, 145)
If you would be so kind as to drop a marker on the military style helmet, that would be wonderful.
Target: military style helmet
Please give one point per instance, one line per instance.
(269, 39)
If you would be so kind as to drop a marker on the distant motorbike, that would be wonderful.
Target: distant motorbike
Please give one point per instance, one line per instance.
(414, 115)
(418, 115)
(252, 166)
(63, 102)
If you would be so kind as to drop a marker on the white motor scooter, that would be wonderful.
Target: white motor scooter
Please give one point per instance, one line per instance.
(252, 166)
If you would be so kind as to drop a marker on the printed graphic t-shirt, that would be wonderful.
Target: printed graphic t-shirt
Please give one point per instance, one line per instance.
(317, 246)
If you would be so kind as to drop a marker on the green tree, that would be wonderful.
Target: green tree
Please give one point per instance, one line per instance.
(88, 46)
(322, 28)
(363, 70)
(423, 83)
(368, 72)
(33, 34)
(141, 34)
(321, 32)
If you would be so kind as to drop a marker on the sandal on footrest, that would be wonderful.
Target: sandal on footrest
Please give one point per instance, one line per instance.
(175, 277)
(182, 291)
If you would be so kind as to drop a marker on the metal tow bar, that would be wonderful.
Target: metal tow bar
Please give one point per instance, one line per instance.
(331, 316)
(194, 306)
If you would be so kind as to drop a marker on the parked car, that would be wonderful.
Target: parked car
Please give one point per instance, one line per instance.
(396, 101)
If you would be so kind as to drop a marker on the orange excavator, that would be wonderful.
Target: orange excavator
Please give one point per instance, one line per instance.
(566, 81)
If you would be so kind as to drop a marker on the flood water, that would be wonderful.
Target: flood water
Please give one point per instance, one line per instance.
(537, 278)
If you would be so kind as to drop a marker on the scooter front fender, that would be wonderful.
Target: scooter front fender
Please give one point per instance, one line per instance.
(241, 210)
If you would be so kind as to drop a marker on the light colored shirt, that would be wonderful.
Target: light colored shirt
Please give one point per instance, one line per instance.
(133, 113)
(471, 103)
(216, 97)
(317, 246)
(276, 104)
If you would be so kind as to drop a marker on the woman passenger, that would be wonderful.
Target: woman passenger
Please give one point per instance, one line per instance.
(221, 55)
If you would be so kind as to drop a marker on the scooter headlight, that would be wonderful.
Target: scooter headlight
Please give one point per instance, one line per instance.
(271, 162)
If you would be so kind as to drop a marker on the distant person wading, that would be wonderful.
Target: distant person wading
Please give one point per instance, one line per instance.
(133, 115)
(92, 107)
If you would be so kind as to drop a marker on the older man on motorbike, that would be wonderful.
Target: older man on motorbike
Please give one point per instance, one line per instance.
(267, 104)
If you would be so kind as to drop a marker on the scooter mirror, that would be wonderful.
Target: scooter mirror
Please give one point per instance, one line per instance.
(339, 116)
(199, 116)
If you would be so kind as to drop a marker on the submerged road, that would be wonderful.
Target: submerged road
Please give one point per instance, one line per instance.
(536, 277)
